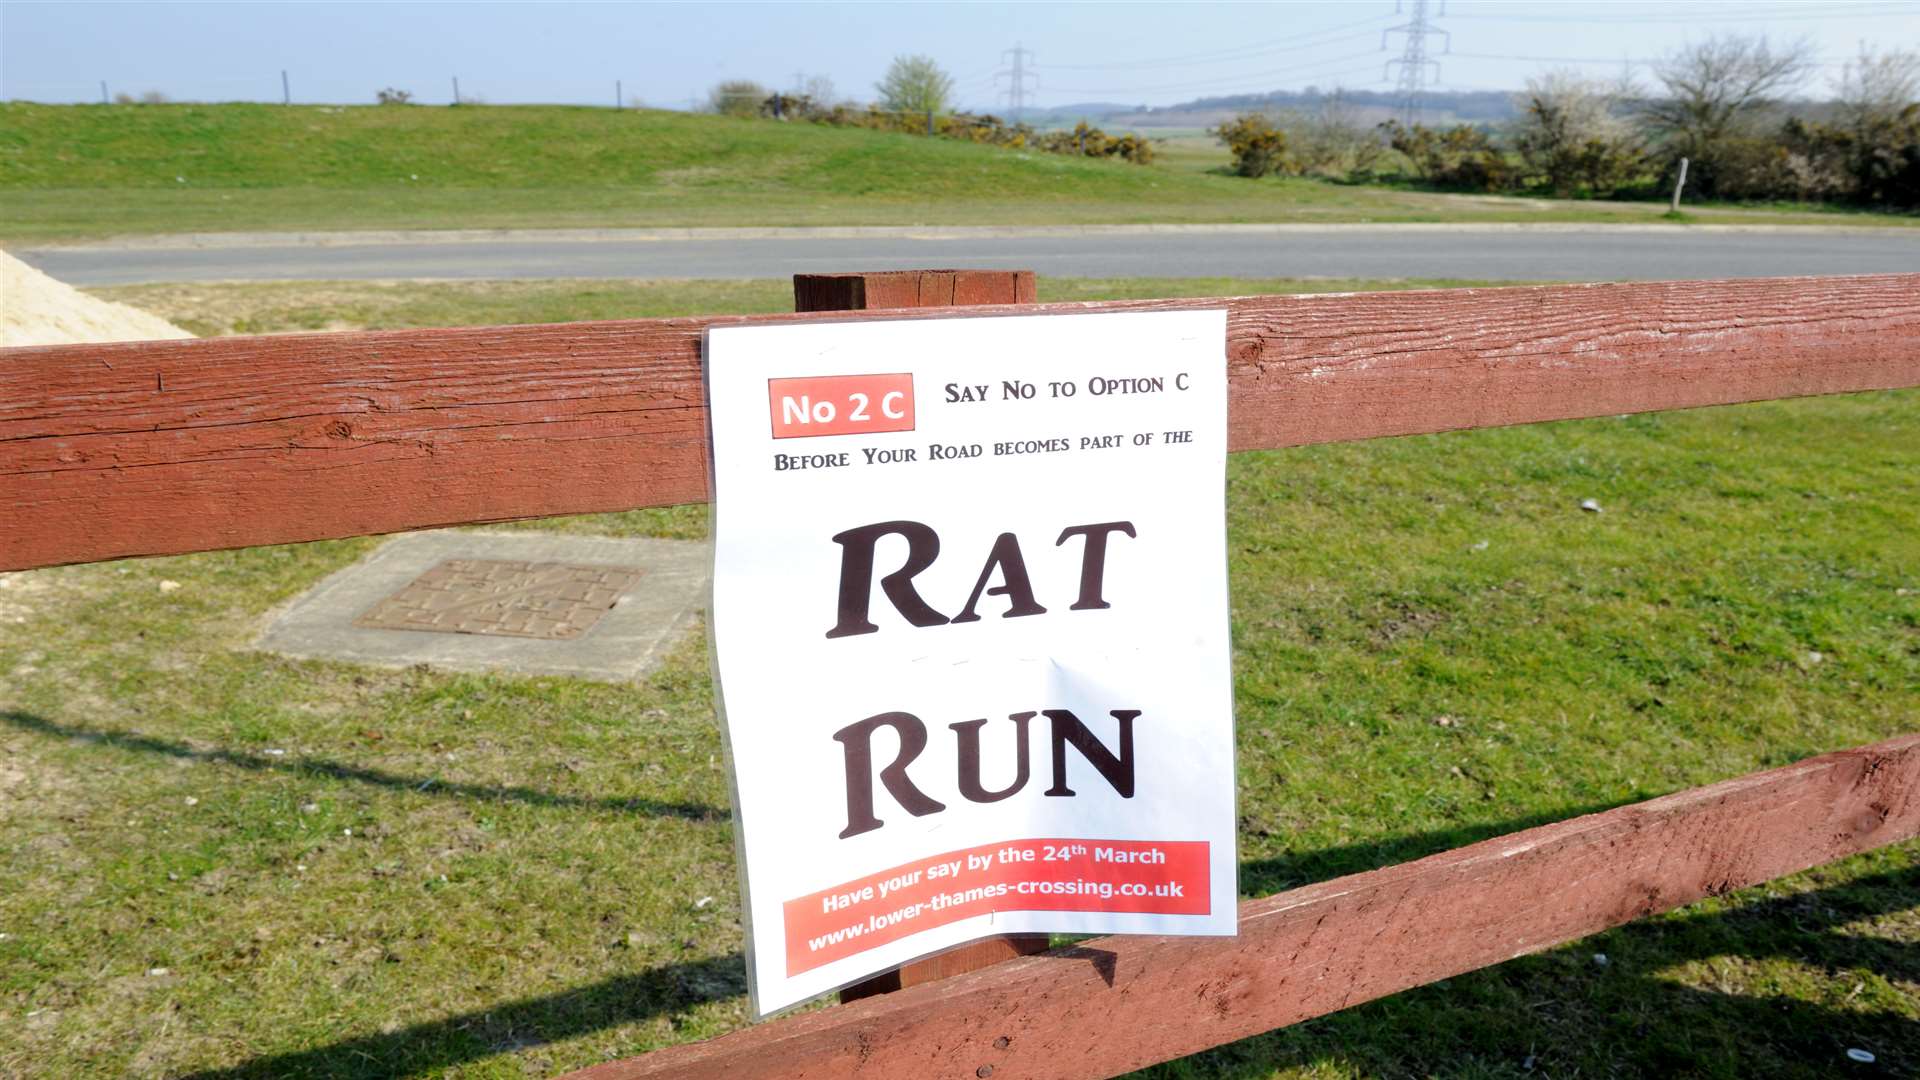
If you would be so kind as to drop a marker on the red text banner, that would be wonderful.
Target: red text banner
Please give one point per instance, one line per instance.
(1154, 877)
(840, 405)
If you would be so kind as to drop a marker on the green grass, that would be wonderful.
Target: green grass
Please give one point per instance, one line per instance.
(519, 892)
(71, 172)
(281, 306)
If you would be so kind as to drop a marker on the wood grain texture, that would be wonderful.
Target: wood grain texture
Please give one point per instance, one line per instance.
(1112, 1004)
(165, 447)
(876, 290)
(972, 956)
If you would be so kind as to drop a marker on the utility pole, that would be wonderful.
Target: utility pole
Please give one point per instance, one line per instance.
(286, 88)
(1413, 60)
(619, 98)
(1016, 73)
(103, 92)
(456, 89)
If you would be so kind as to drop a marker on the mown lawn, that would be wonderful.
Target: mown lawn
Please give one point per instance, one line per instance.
(270, 307)
(217, 863)
(87, 171)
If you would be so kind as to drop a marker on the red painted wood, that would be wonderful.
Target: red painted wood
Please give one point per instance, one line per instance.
(1114, 1004)
(166, 447)
(972, 956)
(911, 289)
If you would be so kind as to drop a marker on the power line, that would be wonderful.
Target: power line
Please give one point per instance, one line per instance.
(1743, 14)
(1289, 43)
(1229, 79)
(1413, 60)
(1632, 60)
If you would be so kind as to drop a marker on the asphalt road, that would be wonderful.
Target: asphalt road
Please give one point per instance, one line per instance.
(1527, 253)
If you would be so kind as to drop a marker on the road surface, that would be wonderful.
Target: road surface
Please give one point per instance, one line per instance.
(1522, 253)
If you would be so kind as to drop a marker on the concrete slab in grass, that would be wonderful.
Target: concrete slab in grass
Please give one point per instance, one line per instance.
(623, 644)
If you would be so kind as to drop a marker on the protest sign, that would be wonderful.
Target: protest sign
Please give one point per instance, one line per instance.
(970, 633)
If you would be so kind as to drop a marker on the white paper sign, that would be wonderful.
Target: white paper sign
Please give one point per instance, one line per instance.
(970, 629)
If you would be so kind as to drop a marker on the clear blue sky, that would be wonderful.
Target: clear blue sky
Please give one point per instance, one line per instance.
(666, 54)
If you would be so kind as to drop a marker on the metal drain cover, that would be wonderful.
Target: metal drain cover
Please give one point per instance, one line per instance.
(550, 601)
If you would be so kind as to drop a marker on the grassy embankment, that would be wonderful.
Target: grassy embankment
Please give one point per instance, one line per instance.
(219, 863)
(73, 172)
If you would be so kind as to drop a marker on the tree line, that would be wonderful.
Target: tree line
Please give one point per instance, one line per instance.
(915, 97)
(1723, 104)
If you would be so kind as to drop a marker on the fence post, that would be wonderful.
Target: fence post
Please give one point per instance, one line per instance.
(911, 289)
(918, 289)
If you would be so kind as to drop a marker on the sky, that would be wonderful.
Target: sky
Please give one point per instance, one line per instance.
(668, 54)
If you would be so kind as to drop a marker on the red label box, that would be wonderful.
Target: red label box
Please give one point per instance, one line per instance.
(1165, 877)
(840, 405)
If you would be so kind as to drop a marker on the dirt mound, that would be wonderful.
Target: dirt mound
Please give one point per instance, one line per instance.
(38, 310)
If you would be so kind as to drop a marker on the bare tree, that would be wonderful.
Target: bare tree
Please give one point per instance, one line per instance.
(1332, 140)
(1877, 87)
(820, 90)
(1716, 90)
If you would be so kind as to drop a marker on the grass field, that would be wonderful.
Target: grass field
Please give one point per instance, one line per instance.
(70, 172)
(273, 307)
(216, 863)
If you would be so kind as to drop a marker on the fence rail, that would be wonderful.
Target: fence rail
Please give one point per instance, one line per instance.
(159, 448)
(1112, 1004)
(169, 447)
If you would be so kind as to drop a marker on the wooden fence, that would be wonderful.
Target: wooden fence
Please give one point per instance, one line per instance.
(157, 448)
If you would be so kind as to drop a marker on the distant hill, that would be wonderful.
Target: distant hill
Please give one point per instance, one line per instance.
(1371, 106)
(1438, 107)
(1069, 115)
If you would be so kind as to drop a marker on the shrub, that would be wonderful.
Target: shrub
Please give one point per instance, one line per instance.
(1461, 156)
(1258, 147)
(1865, 149)
(1086, 140)
(1880, 115)
(391, 96)
(1332, 141)
(780, 106)
(737, 97)
(984, 128)
(1876, 164)
(1131, 147)
(1571, 135)
(966, 127)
